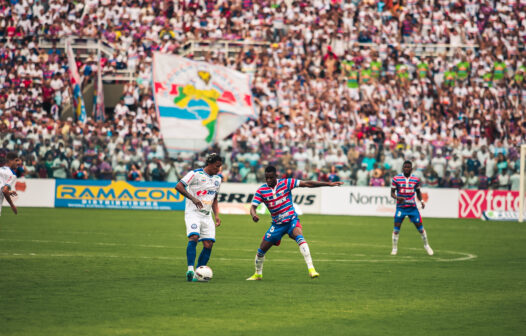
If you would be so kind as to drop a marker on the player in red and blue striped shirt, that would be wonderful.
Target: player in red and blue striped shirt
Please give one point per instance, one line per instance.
(277, 196)
(405, 188)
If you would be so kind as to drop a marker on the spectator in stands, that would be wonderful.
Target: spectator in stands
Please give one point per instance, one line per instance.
(81, 173)
(376, 179)
(362, 176)
(134, 174)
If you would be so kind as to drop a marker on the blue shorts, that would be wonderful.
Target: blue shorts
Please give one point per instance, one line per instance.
(412, 213)
(275, 232)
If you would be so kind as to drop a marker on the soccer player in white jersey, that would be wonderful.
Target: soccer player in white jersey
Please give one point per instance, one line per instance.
(200, 187)
(7, 180)
(277, 196)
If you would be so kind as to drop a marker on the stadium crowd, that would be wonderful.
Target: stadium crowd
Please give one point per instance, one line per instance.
(341, 96)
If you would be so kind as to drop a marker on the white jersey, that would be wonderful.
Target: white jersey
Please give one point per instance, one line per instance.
(7, 178)
(203, 187)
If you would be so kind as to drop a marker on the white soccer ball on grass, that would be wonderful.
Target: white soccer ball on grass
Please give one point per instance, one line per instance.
(204, 273)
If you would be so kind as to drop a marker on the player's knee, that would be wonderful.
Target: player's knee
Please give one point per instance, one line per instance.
(296, 232)
(261, 253)
(208, 243)
(193, 238)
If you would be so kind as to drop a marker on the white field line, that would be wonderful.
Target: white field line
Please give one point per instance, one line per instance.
(461, 256)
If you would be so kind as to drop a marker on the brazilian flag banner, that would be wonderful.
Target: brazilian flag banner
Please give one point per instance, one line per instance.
(199, 103)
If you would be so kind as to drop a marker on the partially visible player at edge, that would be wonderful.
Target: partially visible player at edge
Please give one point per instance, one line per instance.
(403, 189)
(277, 196)
(7, 180)
(200, 187)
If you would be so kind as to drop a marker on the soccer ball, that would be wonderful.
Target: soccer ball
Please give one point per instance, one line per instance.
(204, 273)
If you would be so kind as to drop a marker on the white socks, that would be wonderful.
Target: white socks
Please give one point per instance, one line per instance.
(304, 249)
(191, 268)
(259, 264)
(424, 237)
(395, 241)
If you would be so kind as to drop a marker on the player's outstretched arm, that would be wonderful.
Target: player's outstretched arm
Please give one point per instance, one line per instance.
(316, 184)
(7, 194)
(182, 190)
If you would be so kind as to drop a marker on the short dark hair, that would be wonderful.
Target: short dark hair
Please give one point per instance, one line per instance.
(407, 162)
(213, 158)
(11, 156)
(270, 169)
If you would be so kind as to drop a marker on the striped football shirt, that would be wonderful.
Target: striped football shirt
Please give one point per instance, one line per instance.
(278, 200)
(406, 187)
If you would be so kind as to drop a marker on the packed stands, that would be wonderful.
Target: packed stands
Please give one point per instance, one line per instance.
(346, 90)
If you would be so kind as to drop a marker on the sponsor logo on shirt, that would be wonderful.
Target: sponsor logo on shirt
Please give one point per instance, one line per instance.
(205, 192)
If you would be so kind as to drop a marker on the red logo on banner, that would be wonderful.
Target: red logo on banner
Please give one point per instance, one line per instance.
(474, 202)
(471, 202)
(20, 186)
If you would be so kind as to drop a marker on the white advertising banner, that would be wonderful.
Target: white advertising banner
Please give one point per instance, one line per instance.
(375, 201)
(34, 193)
(235, 198)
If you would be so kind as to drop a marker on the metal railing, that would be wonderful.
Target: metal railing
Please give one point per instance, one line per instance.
(198, 48)
(79, 43)
(86, 47)
(424, 49)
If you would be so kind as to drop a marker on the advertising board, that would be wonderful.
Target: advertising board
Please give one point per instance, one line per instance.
(117, 195)
(473, 203)
(374, 201)
(34, 193)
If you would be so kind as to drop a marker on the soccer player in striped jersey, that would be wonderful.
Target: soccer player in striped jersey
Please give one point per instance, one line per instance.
(200, 187)
(8, 179)
(404, 188)
(277, 196)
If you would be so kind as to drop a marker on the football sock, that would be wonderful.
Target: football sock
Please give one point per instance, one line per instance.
(423, 234)
(204, 256)
(396, 233)
(190, 254)
(300, 240)
(260, 259)
(304, 249)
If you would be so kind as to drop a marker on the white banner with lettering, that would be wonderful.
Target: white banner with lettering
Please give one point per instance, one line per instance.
(374, 201)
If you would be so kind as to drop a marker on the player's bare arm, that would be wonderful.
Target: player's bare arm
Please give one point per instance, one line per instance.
(393, 195)
(7, 194)
(215, 209)
(317, 184)
(419, 196)
(182, 190)
(253, 213)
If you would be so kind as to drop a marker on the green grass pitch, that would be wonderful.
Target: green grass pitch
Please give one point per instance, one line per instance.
(105, 272)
